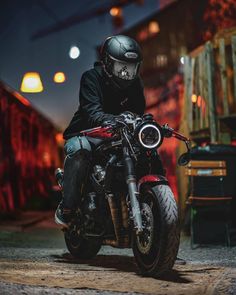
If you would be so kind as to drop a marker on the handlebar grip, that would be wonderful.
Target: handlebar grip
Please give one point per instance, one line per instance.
(167, 131)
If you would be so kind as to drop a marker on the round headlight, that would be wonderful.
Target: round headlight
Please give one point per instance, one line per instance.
(150, 136)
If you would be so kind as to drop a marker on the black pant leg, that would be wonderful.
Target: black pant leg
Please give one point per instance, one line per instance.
(76, 170)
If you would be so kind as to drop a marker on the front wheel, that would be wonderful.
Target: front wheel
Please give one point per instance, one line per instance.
(155, 250)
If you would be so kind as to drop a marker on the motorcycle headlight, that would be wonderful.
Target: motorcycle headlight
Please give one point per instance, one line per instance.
(150, 136)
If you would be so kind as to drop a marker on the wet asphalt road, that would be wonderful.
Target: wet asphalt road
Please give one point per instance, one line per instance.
(34, 260)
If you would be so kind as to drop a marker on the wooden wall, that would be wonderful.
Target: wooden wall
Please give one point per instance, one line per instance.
(210, 90)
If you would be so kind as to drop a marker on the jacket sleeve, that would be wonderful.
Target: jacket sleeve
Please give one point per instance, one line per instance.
(91, 100)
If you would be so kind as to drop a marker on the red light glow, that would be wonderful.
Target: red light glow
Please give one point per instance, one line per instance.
(21, 98)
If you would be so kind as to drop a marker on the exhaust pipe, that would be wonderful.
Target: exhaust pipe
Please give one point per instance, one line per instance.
(121, 241)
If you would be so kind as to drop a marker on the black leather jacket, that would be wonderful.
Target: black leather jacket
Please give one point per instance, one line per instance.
(100, 101)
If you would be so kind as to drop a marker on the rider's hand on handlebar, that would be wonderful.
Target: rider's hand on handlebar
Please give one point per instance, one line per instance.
(112, 123)
(126, 117)
(120, 120)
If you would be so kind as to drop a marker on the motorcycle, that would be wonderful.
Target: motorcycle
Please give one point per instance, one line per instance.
(119, 210)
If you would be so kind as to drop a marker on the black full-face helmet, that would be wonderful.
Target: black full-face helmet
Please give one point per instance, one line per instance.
(121, 57)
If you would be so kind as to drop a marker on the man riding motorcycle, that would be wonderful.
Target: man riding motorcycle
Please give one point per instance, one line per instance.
(107, 92)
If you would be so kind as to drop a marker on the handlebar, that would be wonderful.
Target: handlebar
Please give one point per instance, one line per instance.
(170, 132)
(130, 119)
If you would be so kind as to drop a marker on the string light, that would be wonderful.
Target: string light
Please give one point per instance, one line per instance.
(31, 83)
(59, 77)
(115, 11)
(194, 98)
(74, 52)
(154, 27)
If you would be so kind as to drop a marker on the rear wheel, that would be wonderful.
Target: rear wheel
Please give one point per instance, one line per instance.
(156, 249)
(79, 246)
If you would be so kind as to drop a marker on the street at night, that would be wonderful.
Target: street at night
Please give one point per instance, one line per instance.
(34, 260)
(118, 147)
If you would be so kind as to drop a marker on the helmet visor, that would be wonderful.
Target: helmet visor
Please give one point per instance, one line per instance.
(125, 70)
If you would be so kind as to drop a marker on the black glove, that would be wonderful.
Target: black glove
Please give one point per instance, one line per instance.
(126, 117)
(111, 122)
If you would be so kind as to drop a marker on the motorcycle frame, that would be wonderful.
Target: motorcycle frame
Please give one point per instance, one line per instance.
(134, 188)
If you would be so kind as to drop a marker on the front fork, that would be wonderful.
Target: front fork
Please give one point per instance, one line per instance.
(133, 191)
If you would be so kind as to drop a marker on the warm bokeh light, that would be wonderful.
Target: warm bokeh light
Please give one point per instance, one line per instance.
(182, 60)
(31, 83)
(59, 139)
(115, 11)
(74, 52)
(199, 101)
(21, 98)
(46, 159)
(59, 77)
(154, 27)
(194, 98)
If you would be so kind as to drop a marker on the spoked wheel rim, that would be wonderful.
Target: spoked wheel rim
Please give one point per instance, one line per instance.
(166, 232)
(145, 240)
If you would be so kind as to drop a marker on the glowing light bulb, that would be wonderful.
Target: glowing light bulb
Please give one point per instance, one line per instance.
(115, 11)
(59, 77)
(31, 83)
(194, 98)
(154, 27)
(74, 52)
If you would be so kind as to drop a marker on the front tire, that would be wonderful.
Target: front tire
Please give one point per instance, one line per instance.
(156, 249)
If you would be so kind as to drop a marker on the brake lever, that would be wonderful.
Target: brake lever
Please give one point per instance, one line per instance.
(170, 132)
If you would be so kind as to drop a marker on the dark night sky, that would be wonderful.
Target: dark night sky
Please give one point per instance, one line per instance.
(19, 19)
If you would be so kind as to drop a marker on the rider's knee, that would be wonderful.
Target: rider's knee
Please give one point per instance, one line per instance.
(75, 145)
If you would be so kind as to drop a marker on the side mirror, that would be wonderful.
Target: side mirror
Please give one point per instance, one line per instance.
(184, 159)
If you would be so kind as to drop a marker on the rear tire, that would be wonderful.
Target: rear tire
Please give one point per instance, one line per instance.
(155, 251)
(79, 246)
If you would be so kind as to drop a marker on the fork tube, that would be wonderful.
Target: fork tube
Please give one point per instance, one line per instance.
(133, 191)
